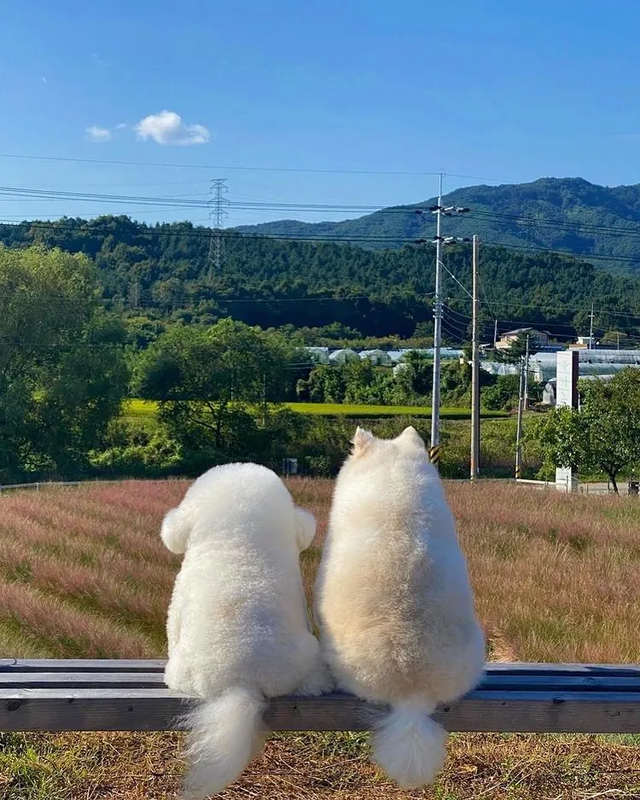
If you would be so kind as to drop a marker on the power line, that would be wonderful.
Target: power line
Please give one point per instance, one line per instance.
(26, 193)
(578, 256)
(349, 238)
(220, 167)
(327, 238)
(568, 224)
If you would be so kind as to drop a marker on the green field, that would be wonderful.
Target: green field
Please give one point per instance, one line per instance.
(147, 408)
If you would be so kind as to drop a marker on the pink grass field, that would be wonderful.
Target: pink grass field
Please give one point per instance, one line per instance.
(83, 572)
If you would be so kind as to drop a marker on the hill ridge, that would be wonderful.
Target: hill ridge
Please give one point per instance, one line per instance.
(568, 214)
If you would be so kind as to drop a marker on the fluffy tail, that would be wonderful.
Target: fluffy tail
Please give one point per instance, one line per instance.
(226, 734)
(176, 527)
(409, 746)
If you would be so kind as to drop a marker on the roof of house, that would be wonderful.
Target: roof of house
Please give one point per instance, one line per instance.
(524, 330)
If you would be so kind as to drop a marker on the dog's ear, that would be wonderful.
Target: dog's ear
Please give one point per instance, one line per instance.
(361, 441)
(176, 527)
(411, 437)
(305, 524)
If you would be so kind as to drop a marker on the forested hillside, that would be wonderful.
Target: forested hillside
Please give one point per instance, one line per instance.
(560, 213)
(163, 270)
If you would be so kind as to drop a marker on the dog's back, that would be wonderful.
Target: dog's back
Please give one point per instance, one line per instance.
(393, 592)
(238, 609)
(237, 625)
(393, 597)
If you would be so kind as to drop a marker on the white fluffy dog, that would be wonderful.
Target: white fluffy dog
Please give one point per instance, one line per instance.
(237, 627)
(394, 603)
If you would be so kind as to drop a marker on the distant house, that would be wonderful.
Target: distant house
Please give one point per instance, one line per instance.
(584, 341)
(537, 339)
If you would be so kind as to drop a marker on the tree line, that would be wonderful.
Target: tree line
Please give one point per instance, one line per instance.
(68, 360)
(162, 272)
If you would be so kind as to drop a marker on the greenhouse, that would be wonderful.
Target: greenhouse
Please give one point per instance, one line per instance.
(377, 357)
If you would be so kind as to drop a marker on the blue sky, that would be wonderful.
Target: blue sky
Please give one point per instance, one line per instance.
(500, 91)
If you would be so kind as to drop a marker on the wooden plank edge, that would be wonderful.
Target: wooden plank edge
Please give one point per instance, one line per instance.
(151, 680)
(82, 665)
(525, 712)
(158, 665)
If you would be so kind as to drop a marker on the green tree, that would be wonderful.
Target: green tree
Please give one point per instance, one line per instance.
(414, 378)
(326, 384)
(211, 382)
(617, 338)
(604, 434)
(62, 367)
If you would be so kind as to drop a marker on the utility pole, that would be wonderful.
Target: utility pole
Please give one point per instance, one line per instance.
(495, 334)
(519, 428)
(217, 215)
(618, 340)
(526, 375)
(475, 370)
(591, 315)
(439, 211)
(434, 451)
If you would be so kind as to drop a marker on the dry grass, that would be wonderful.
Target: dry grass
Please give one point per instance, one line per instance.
(83, 573)
(127, 766)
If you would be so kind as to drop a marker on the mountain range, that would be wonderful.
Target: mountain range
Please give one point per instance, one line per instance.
(564, 214)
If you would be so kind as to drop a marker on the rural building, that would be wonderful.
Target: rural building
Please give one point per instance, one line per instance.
(537, 339)
(583, 341)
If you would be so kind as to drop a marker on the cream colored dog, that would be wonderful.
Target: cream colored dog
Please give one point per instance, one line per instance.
(237, 625)
(393, 600)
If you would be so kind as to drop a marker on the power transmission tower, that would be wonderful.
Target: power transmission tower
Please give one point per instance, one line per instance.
(475, 370)
(218, 213)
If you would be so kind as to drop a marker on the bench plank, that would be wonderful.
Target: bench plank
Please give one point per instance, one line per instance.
(48, 695)
(82, 665)
(483, 711)
(158, 665)
(496, 681)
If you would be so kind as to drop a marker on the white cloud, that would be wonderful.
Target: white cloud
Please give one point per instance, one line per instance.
(121, 125)
(167, 128)
(98, 134)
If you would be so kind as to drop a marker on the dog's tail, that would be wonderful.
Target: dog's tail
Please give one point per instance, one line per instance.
(409, 746)
(226, 734)
(176, 527)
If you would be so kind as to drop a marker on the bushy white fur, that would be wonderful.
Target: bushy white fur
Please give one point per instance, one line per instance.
(394, 603)
(237, 626)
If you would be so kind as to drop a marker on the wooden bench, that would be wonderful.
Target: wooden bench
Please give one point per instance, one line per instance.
(125, 695)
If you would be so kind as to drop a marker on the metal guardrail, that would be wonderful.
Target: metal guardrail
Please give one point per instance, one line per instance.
(39, 484)
(52, 484)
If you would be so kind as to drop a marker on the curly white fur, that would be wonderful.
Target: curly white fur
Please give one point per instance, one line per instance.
(393, 600)
(237, 626)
